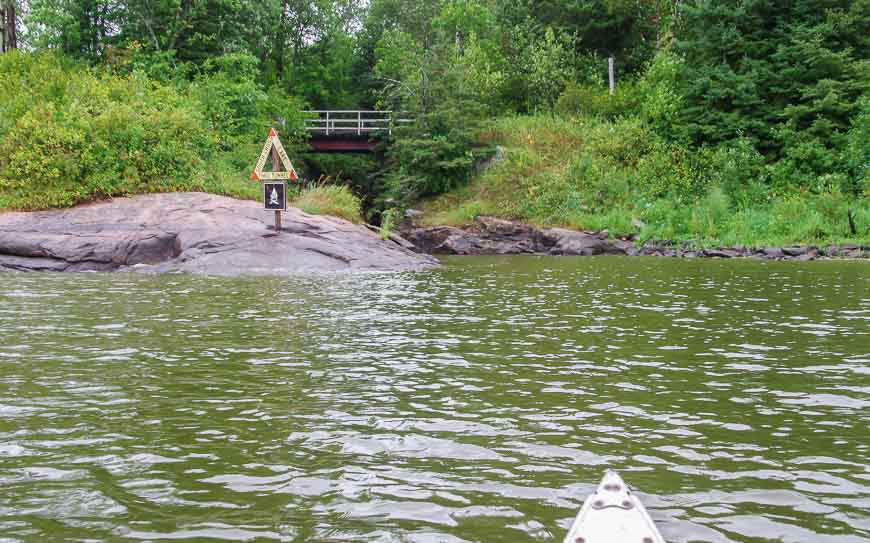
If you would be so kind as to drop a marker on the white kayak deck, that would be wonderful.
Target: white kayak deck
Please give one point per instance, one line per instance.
(613, 514)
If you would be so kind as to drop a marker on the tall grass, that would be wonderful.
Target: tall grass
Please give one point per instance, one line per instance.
(336, 200)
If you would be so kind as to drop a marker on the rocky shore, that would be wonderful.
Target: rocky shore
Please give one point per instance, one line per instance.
(196, 233)
(215, 235)
(490, 236)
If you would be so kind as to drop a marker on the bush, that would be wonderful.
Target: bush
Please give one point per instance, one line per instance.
(596, 101)
(237, 107)
(70, 134)
(739, 170)
(672, 170)
(428, 166)
(87, 135)
(660, 97)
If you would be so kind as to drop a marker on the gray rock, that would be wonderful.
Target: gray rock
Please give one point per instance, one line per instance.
(196, 233)
(491, 236)
(773, 252)
(794, 251)
(722, 253)
(569, 242)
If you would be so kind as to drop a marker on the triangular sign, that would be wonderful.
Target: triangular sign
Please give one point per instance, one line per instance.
(288, 173)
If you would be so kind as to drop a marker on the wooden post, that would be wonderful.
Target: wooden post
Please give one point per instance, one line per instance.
(611, 75)
(275, 166)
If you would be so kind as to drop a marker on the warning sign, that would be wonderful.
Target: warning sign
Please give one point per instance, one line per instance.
(275, 196)
(273, 142)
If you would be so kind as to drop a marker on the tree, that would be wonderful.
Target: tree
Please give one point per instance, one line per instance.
(8, 25)
(788, 76)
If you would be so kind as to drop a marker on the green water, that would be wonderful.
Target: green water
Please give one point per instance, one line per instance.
(479, 402)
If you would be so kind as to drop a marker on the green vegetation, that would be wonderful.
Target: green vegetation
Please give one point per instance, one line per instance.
(733, 122)
(71, 134)
(595, 174)
(329, 200)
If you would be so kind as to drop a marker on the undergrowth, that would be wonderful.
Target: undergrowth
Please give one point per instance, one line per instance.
(593, 173)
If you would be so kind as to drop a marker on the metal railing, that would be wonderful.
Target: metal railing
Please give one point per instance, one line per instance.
(360, 123)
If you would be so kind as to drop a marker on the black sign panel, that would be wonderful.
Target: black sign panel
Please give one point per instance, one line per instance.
(275, 196)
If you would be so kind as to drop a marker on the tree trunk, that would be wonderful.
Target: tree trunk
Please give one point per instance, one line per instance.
(10, 27)
(281, 39)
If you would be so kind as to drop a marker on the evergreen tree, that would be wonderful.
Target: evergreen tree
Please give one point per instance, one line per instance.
(788, 75)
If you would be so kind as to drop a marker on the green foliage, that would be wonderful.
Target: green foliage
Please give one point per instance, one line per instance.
(751, 105)
(237, 108)
(82, 135)
(788, 76)
(335, 200)
(590, 100)
(428, 166)
(548, 67)
(388, 222)
(857, 153)
(659, 95)
(620, 176)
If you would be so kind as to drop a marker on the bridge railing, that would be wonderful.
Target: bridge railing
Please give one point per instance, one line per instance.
(349, 123)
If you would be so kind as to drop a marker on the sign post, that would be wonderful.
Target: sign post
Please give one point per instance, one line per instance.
(275, 191)
(277, 211)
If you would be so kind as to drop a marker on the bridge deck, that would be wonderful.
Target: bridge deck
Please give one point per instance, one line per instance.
(348, 130)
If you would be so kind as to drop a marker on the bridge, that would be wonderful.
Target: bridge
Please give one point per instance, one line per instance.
(339, 131)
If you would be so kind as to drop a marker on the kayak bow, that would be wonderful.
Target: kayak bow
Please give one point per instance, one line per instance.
(612, 514)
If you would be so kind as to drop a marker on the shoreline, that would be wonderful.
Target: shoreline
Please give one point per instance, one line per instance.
(492, 236)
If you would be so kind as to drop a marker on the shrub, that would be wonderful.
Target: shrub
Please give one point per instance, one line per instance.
(671, 170)
(428, 166)
(86, 135)
(739, 170)
(596, 101)
(660, 98)
(626, 140)
(70, 133)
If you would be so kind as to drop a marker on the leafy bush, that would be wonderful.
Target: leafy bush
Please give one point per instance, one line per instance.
(90, 136)
(428, 166)
(671, 170)
(237, 107)
(659, 96)
(857, 154)
(739, 170)
(70, 133)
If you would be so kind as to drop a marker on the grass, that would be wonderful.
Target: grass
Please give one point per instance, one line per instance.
(591, 174)
(336, 200)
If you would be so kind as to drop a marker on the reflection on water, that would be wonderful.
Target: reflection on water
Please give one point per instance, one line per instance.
(480, 402)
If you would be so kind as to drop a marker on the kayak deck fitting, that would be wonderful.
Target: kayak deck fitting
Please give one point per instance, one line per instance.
(612, 514)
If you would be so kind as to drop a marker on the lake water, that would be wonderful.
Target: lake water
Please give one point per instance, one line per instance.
(479, 402)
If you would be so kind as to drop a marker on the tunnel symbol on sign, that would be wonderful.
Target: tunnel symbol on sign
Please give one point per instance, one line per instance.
(273, 198)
